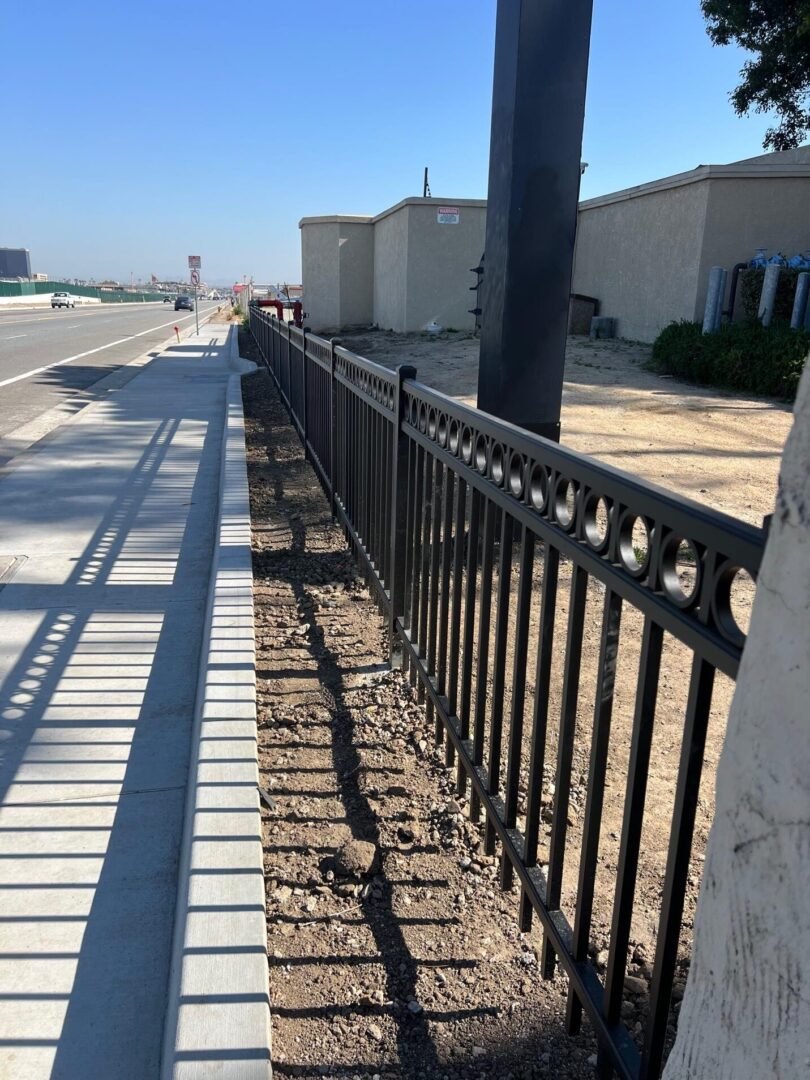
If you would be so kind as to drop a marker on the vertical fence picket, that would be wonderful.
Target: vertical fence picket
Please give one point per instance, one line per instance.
(523, 607)
(399, 518)
(600, 738)
(565, 751)
(444, 610)
(469, 630)
(482, 675)
(455, 615)
(499, 671)
(537, 752)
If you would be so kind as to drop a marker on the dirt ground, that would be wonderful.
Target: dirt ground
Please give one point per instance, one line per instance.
(720, 449)
(419, 970)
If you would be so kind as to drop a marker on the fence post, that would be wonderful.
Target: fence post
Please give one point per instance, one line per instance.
(274, 348)
(333, 343)
(399, 511)
(304, 418)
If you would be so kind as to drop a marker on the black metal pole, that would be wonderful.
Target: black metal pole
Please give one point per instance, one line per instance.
(538, 105)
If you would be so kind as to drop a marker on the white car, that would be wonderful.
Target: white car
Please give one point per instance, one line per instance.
(63, 299)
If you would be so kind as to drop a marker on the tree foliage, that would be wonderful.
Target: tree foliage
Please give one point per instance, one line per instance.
(777, 77)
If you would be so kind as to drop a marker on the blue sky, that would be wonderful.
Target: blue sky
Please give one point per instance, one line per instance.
(141, 133)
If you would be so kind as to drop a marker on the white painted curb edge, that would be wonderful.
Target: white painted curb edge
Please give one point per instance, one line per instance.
(218, 1012)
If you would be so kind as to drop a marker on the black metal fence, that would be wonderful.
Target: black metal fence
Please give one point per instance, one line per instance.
(474, 533)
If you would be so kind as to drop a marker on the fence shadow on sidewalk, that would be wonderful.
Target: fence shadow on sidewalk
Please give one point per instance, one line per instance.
(101, 631)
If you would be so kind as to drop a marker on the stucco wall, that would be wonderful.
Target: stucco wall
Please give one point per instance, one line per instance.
(356, 244)
(320, 274)
(644, 253)
(391, 269)
(744, 214)
(640, 256)
(439, 261)
(337, 260)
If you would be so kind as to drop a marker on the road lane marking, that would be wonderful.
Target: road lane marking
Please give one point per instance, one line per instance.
(13, 337)
(89, 352)
(23, 318)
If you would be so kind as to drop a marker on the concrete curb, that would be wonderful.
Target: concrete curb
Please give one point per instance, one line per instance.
(238, 363)
(218, 1011)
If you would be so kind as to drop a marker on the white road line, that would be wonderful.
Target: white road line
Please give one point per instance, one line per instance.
(78, 356)
(104, 309)
(13, 337)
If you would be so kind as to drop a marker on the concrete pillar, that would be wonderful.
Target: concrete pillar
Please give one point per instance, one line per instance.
(800, 309)
(746, 1011)
(768, 296)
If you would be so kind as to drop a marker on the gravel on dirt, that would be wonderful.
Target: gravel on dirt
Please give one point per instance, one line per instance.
(392, 951)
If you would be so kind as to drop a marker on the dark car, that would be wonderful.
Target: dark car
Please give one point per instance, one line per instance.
(167, 299)
(183, 303)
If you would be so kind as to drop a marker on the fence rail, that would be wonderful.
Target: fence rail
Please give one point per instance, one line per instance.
(461, 520)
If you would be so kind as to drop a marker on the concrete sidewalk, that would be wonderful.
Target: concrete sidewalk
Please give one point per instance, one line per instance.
(108, 531)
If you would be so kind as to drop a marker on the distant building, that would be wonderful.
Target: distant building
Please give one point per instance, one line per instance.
(15, 262)
(400, 270)
(40, 277)
(643, 255)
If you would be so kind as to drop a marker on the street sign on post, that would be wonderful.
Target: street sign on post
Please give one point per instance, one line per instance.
(195, 265)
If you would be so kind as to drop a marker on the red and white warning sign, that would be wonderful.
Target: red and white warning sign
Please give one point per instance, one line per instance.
(447, 215)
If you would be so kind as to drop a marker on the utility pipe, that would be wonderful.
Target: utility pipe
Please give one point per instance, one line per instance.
(800, 308)
(767, 298)
(721, 292)
(713, 299)
(732, 293)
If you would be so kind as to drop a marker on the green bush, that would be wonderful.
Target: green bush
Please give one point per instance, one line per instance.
(741, 356)
(751, 290)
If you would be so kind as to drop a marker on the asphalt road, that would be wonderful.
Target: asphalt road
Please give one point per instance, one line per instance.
(47, 355)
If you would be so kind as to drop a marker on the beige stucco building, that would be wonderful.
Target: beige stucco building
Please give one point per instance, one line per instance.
(644, 253)
(400, 270)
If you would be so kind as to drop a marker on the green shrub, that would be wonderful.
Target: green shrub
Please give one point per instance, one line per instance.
(751, 290)
(743, 356)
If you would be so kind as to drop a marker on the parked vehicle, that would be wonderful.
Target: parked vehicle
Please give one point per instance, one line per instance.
(63, 299)
(184, 303)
